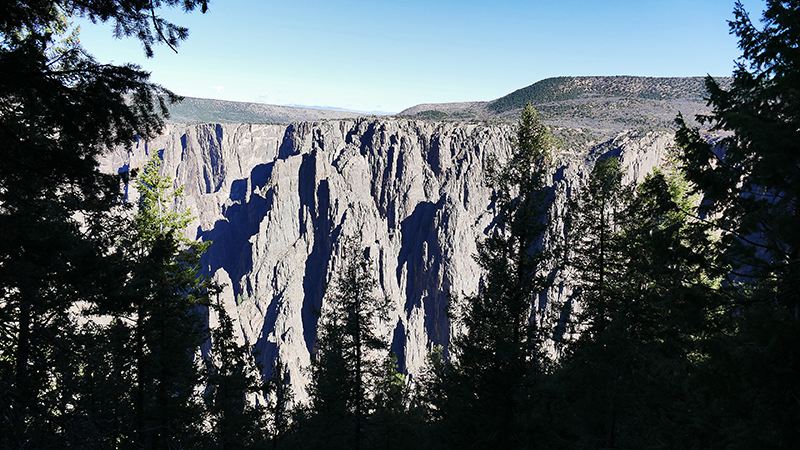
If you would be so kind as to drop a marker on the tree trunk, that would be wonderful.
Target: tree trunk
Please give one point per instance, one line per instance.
(359, 384)
(23, 345)
(139, 403)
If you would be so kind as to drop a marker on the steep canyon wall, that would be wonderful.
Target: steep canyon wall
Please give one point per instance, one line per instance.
(277, 199)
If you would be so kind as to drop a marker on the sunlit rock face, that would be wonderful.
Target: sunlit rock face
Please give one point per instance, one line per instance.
(276, 201)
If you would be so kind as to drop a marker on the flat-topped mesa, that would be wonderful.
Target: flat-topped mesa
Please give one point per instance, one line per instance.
(607, 105)
(277, 199)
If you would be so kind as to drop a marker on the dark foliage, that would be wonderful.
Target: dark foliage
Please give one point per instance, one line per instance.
(487, 390)
(345, 372)
(131, 18)
(58, 110)
(750, 184)
(681, 332)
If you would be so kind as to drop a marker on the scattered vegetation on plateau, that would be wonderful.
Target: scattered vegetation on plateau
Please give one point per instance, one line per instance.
(560, 89)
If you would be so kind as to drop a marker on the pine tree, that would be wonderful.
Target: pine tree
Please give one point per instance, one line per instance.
(343, 374)
(595, 262)
(500, 354)
(60, 111)
(622, 384)
(280, 397)
(146, 361)
(749, 180)
(594, 251)
(169, 328)
(232, 380)
(392, 424)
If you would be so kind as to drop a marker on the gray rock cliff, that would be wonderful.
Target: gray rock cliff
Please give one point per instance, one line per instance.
(276, 200)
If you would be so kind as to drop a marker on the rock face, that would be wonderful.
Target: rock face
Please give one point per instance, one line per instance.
(277, 199)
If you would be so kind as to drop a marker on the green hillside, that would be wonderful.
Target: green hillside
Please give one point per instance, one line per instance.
(570, 88)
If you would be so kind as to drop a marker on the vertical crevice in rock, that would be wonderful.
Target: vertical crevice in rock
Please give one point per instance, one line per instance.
(231, 248)
(398, 345)
(318, 203)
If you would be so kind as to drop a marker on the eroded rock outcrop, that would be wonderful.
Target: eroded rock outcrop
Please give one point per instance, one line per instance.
(277, 199)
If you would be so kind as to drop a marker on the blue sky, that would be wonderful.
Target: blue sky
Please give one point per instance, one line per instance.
(386, 56)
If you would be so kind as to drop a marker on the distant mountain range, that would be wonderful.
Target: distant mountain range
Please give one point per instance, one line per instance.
(204, 110)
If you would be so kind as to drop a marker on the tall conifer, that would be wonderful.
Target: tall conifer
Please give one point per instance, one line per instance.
(621, 382)
(347, 365)
(597, 213)
(750, 183)
(500, 354)
(59, 110)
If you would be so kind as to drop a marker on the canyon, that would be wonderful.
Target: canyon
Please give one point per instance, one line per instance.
(277, 200)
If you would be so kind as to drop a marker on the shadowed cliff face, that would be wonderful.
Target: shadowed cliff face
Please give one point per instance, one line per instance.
(276, 200)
